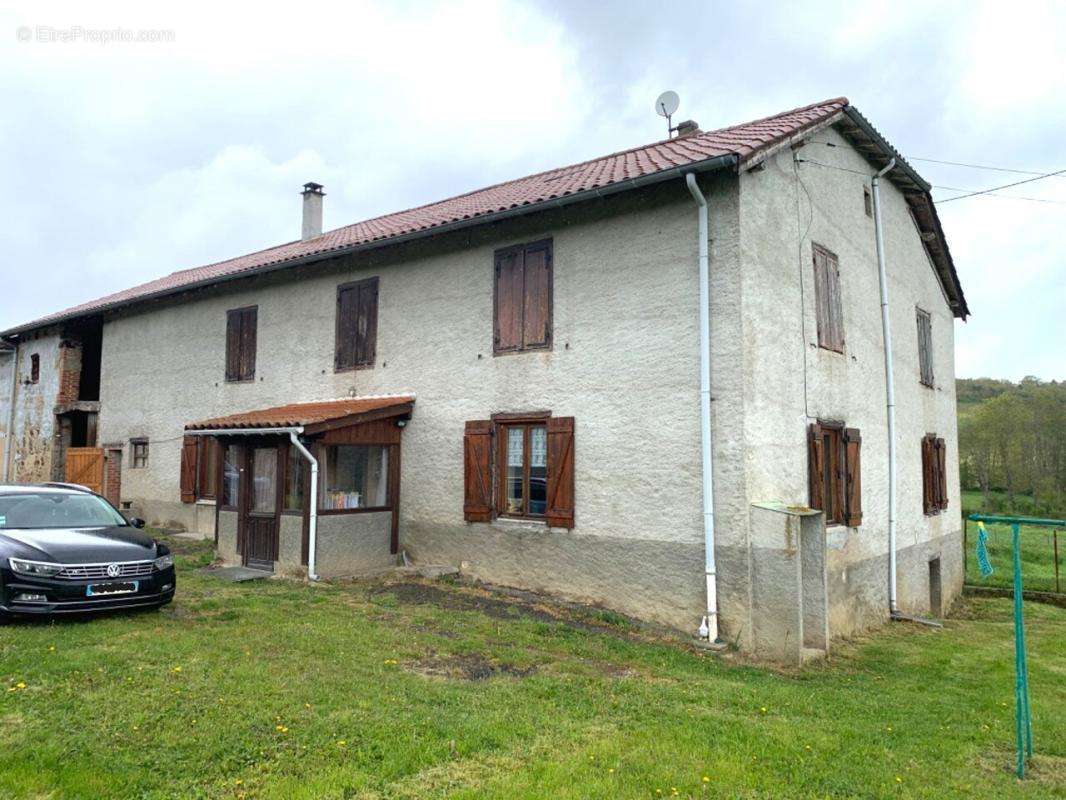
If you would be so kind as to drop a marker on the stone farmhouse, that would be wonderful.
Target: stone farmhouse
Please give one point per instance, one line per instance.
(654, 381)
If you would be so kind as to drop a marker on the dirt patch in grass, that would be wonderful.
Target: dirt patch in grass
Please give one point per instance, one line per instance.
(514, 605)
(469, 667)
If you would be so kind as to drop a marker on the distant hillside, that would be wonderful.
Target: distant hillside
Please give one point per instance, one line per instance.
(1012, 445)
(970, 391)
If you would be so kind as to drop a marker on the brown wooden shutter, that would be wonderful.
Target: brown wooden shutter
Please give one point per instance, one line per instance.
(928, 477)
(925, 347)
(827, 303)
(537, 308)
(815, 466)
(477, 471)
(821, 299)
(560, 511)
(357, 324)
(852, 477)
(508, 292)
(188, 469)
(942, 477)
(347, 316)
(366, 325)
(233, 344)
(249, 319)
(836, 314)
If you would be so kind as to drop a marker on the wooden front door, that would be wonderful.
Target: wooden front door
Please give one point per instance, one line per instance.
(85, 466)
(260, 502)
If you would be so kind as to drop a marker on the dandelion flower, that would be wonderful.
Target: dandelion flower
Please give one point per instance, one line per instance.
(341, 743)
(706, 779)
(610, 770)
(763, 709)
(899, 779)
(21, 684)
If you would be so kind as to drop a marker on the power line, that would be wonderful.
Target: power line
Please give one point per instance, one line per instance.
(1002, 196)
(981, 166)
(968, 192)
(1005, 186)
(962, 164)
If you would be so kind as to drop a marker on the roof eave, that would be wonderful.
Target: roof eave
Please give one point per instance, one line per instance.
(707, 165)
(869, 141)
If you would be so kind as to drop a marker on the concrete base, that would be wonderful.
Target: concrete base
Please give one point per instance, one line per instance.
(858, 591)
(657, 581)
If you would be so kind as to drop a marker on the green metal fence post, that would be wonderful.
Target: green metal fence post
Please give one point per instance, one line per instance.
(1022, 717)
(1058, 588)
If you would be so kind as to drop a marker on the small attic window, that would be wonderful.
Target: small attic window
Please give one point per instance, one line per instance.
(35, 368)
(867, 201)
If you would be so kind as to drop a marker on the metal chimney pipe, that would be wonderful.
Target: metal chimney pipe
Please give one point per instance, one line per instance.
(312, 223)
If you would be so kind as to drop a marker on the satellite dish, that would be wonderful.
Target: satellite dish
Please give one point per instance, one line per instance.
(667, 104)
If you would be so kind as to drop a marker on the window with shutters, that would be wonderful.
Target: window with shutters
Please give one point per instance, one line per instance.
(240, 343)
(925, 347)
(934, 475)
(520, 466)
(138, 453)
(523, 468)
(522, 298)
(834, 472)
(357, 325)
(828, 313)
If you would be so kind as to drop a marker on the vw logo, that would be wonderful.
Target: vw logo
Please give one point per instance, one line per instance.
(113, 570)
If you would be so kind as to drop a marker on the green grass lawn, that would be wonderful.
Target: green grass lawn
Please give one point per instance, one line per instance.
(281, 690)
(1037, 557)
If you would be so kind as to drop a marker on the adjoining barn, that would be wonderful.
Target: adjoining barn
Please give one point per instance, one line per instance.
(653, 381)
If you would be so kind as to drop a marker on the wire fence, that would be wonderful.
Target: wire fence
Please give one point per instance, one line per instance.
(1042, 551)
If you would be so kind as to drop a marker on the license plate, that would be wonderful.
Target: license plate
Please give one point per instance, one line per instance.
(100, 589)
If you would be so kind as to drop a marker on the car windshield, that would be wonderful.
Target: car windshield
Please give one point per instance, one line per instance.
(56, 510)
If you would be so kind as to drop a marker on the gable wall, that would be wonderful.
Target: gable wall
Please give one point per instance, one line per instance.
(780, 218)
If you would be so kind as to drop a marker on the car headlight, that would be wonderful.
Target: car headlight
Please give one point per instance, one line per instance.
(39, 569)
(164, 562)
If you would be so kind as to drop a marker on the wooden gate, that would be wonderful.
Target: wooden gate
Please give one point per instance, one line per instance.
(85, 466)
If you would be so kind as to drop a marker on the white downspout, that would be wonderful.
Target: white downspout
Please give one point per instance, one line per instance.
(709, 626)
(312, 522)
(889, 391)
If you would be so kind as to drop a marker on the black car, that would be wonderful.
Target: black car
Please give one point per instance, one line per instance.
(67, 550)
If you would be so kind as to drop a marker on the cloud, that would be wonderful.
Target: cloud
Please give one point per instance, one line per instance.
(129, 161)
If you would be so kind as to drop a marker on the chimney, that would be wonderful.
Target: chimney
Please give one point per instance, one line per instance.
(313, 195)
(687, 128)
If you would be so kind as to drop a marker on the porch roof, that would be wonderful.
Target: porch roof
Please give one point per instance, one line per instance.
(312, 417)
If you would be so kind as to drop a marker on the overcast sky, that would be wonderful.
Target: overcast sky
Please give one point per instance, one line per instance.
(128, 160)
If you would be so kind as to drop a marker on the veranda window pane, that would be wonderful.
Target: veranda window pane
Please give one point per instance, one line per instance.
(538, 470)
(231, 476)
(294, 481)
(515, 462)
(355, 476)
(264, 479)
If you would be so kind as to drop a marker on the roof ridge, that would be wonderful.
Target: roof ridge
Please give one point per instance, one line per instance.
(490, 187)
(568, 182)
(575, 165)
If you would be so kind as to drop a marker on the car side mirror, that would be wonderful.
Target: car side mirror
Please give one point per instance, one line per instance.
(136, 522)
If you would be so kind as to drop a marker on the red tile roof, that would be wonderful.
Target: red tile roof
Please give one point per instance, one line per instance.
(303, 414)
(744, 141)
